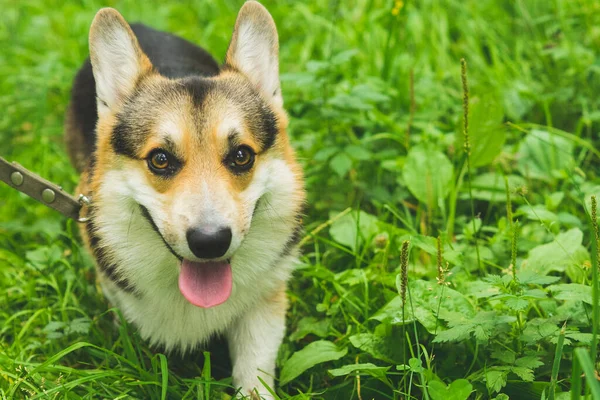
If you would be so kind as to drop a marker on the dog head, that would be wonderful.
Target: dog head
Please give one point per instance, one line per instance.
(196, 154)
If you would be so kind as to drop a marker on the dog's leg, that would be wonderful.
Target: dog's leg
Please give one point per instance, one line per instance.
(253, 344)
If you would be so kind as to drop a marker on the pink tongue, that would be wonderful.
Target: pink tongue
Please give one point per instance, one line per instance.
(205, 284)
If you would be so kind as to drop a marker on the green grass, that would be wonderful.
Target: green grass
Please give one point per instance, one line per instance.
(483, 316)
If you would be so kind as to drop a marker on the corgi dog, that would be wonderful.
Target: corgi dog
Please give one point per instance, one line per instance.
(196, 194)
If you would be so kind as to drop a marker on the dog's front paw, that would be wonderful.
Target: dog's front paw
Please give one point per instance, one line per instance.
(261, 396)
(253, 394)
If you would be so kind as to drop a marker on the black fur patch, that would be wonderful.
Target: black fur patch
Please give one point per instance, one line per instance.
(148, 217)
(293, 240)
(91, 167)
(295, 236)
(123, 139)
(268, 127)
(107, 268)
(198, 88)
(259, 116)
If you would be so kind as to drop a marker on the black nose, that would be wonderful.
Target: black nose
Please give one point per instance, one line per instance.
(209, 242)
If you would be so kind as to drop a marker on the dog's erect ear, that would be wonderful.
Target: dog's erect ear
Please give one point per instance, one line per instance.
(254, 49)
(117, 59)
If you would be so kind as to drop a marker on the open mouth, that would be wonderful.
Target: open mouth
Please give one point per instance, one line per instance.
(205, 284)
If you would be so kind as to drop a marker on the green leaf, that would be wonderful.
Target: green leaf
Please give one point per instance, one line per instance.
(429, 245)
(315, 353)
(341, 164)
(495, 380)
(532, 278)
(427, 299)
(428, 174)
(566, 250)
(539, 329)
(358, 153)
(311, 325)
(416, 365)
(10, 258)
(54, 329)
(584, 338)
(482, 326)
(456, 333)
(44, 257)
(516, 303)
(553, 200)
(351, 277)
(537, 212)
(490, 186)
(524, 373)
(572, 292)
(80, 325)
(480, 289)
(518, 98)
(542, 155)
(532, 294)
(487, 134)
(346, 229)
(383, 348)
(532, 362)
(460, 389)
(506, 356)
(325, 153)
(391, 313)
(362, 369)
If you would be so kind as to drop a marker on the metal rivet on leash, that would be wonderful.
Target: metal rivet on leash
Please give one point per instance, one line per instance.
(48, 195)
(83, 201)
(16, 178)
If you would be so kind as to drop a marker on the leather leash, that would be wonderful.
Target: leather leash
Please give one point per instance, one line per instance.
(47, 193)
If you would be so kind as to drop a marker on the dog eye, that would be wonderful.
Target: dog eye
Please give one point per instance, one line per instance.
(162, 162)
(241, 159)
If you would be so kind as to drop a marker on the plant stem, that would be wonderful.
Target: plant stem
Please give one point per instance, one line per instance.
(595, 272)
(513, 250)
(556, 364)
(509, 214)
(465, 87)
(411, 114)
(402, 292)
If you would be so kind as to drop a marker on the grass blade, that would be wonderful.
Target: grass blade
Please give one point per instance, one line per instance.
(556, 364)
(206, 374)
(590, 374)
(49, 361)
(164, 371)
(575, 381)
(595, 271)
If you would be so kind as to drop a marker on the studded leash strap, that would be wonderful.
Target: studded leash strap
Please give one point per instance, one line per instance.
(45, 192)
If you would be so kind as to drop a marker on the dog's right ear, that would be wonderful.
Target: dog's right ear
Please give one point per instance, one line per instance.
(117, 59)
(254, 49)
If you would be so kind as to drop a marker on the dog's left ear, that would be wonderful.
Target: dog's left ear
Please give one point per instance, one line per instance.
(254, 49)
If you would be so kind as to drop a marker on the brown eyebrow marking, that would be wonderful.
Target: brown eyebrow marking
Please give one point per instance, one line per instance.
(172, 148)
(233, 138)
